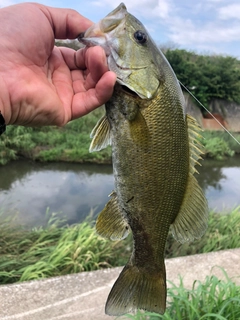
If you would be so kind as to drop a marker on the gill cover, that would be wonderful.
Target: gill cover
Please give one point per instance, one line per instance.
(128, 47)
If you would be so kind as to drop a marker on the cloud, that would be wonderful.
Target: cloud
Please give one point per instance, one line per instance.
(230, 11)
(204, 25)
(143, 8)
(5, 3)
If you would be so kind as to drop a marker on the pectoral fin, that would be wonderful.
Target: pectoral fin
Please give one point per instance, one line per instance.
(191, 221)
(139, 131)
(100, 135)
(111, 223)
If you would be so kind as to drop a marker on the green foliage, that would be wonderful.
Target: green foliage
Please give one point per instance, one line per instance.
(227, 145)
(208, 77)
(70, 143)
(41, 253)
(217, 148)
(212, 299)
(61, 249)
(16, 141)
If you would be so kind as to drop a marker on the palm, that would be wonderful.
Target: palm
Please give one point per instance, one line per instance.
(46, 84)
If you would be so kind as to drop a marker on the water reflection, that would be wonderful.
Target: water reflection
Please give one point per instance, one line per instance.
(220, 181)
(72, 189)
(75, 189)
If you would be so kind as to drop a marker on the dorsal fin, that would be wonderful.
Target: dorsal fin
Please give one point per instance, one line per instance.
(100, 135)
(195, 146)
(191, 221)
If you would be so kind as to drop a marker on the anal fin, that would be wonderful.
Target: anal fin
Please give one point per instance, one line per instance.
(111, 223)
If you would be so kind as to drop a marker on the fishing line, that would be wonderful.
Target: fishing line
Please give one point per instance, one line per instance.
(208, 111)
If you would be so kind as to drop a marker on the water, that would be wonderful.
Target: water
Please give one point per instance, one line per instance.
(73, 190)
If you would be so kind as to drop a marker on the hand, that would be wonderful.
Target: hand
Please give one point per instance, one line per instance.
(45, 85)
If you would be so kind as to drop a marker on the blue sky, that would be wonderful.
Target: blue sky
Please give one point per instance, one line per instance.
(203, 26)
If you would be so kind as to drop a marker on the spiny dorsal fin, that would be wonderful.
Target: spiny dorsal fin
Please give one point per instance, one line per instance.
(100, 135)
(191, 221)
(111, 223)
(195, 146)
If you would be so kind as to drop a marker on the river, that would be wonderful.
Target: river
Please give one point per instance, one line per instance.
(74, 190)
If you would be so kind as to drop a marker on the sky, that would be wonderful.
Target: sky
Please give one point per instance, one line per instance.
(203, 26)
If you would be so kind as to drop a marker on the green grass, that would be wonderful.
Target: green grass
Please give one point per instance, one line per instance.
(212, 299)
(61, 249)
(71, 142)
(68, 143)
(53, 251)
(216, 238)
(220, 145)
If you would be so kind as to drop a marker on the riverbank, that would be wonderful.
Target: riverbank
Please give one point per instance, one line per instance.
(71, 143)
(61, 249)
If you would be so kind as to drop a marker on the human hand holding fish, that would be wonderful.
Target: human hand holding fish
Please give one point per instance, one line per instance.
(154, 153)
(41, 84)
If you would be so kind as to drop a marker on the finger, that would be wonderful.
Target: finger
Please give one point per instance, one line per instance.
(66, 23)
(68, 55)
(96, 62)
(85, 102)
(91, 58)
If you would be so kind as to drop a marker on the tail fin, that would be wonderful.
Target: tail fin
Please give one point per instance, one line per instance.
(138, 289)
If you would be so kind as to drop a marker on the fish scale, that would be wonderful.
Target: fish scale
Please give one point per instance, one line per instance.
(154, 152)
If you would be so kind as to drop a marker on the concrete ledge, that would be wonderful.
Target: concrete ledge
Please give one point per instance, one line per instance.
(83, 296)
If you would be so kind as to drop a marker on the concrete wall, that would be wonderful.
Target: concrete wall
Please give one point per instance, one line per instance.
(226, 112)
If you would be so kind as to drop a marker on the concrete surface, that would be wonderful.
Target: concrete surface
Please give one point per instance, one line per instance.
(82, 296)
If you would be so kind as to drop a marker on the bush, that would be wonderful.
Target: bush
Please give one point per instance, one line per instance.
(218, 149)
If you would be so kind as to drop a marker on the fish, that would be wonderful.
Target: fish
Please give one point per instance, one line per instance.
(155, 149)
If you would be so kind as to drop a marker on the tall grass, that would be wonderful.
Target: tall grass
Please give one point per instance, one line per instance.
(212, 299)
(42, 253)
(71, 142)
(68, 143)
(62, 249)
(223, 232)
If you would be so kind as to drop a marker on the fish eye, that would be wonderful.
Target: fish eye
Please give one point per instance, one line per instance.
(140, 36)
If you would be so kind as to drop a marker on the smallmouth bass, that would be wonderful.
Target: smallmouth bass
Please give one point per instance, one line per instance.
(154, 153)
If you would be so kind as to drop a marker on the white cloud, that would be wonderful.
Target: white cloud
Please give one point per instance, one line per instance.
(5, 3)
(204, 24)
(144, 8)
(230, 11)
(206, 35)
